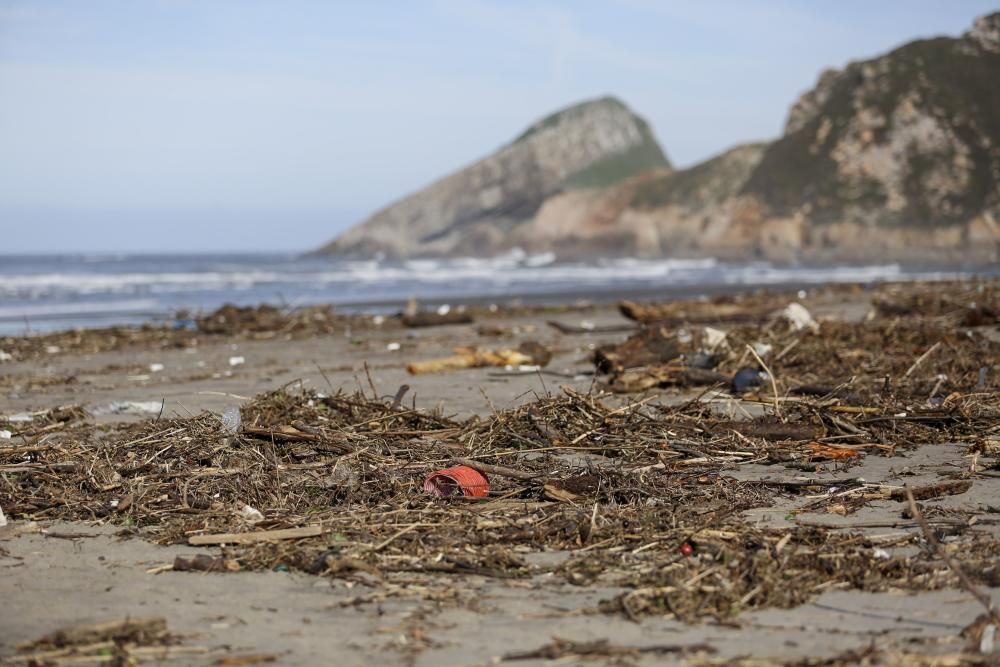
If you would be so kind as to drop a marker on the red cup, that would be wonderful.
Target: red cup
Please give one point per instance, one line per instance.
(460, 480)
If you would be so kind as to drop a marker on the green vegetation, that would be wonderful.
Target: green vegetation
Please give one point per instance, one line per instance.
(616, 168)
(705, 184)
(554, 119)
(950, 79)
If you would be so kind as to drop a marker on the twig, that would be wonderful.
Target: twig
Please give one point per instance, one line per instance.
(963, 578)
(922, 358)
(770, 375)
(502, 471)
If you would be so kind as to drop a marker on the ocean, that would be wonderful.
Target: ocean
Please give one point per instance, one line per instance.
(41, 293)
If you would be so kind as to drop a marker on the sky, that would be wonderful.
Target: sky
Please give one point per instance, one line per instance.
(207, 125)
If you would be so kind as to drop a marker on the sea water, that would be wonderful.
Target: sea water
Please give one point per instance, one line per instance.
(49, 292)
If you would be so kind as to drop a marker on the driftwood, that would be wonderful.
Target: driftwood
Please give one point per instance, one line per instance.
(933, 490)
(433, 319)
(137, 630)
(639, 379)
(528, 354)
(257, 536)
(686, 312)
(650, 347)
(501, 471)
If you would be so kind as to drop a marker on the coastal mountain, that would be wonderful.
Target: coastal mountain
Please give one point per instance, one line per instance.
(893, 158)
(595, 144)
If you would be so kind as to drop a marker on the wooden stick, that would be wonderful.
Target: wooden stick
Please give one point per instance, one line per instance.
(473, 359)
(770, 375)
(921, 358)
(502, 471)
(257, 536)
(932, 540)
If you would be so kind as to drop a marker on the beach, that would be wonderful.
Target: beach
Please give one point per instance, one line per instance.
(621, 540)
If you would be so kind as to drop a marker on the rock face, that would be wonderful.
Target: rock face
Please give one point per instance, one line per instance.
(908, 143)
(896, 158)
(593, 144)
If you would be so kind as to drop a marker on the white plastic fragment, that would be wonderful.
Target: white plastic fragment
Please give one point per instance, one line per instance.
(237, 361)
(231, 420)
(712, 338)
(3, 519)
(6, 356)
(156, 368)
(443, 309)
(5, 435)
(378, 320)
(986, 643)
(19, 417)
(880, 554)
(140, 408)
(762, 349)
(799, 317)
(251, 514)
(392, 347)
(52, 349)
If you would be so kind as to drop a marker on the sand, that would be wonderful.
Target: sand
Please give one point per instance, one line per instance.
(48, 581)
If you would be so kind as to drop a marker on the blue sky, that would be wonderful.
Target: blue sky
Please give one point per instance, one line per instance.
(163, 125)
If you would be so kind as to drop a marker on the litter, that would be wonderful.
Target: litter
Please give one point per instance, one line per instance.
(19, 417)
(237, 361)
(156, 368)
(392, 347)
(3, 519)
(140, 408)
(746, 379)
(460, 480)
(231, 420)
(5, 435)
(799, 318)
(712, 338)
(6, 356)
(251, 515)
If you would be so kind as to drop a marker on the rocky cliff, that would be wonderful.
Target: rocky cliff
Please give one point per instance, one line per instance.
(893, 158)
(595, 144)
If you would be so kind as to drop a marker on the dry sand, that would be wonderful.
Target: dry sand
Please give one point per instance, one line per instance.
(66, 573)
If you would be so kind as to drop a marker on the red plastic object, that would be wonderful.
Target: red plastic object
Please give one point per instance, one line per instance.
(460, 480)
(687, 549)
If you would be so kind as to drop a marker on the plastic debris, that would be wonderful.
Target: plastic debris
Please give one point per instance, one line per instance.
(745, 379)
(3, 519)
(156, 368)
(460, 480)
(5, 435)
(702, 360)
(763, 349)
(6, 356)
(141, 408)
(231, 420)
(392, 347)
(987, 643)
(52, 349)
(880, 554)
(799, 318)
(712, 338)
(19, 417)
(237, 361)
(250, 514)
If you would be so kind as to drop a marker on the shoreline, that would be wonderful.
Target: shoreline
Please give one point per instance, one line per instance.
(114, 428)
